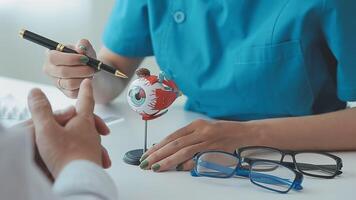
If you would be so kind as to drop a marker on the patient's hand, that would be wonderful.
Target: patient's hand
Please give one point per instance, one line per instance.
(74, 137)
(62, 117)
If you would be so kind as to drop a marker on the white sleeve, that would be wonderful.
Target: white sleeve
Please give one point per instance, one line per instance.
(84, 180)
(21, 179)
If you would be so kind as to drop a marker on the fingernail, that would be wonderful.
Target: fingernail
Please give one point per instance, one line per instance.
(144, 164)
(84, 59)
(68, 109)
(108, 130)
(63, 111)
(179, 167)
(83, 48)
(144, 156)
(155, 167)
(109, 163)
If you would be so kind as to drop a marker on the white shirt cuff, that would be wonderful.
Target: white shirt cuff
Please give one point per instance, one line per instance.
(84, 178)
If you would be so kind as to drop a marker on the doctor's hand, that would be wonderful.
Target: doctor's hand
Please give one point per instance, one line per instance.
(178, 149)
(76, 138)
(69, 70)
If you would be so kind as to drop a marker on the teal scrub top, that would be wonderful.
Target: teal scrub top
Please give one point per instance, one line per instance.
(245, 59)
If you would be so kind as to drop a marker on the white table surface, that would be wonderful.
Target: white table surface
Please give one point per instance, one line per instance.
(134, 183)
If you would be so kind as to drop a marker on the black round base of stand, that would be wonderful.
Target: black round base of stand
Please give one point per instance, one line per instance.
(133, 157)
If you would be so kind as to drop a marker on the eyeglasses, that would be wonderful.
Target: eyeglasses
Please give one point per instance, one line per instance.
(316, 164)
(271, 175)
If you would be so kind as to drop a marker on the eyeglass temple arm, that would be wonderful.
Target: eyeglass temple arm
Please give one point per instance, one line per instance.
(265, 178)
(306, 166)
(269, 179)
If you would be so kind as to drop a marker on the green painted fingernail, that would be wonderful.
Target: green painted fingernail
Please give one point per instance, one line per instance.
(155, 167)
(82, 47)
(144, 156)
(144, 164)
(84, 59)
(179, 167)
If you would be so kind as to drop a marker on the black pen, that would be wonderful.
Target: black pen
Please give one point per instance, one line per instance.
(50, 44)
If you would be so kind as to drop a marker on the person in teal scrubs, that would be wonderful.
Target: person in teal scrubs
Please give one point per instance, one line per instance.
(271, 72)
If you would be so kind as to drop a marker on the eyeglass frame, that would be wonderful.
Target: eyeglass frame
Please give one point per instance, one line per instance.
(294, 164)
(296, 184)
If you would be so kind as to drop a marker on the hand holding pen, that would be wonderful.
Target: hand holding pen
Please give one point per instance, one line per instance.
(70, 65)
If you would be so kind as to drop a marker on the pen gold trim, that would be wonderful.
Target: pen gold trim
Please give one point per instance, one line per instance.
(99, 65)
(120, 74)
(60, 47)
(22, 32)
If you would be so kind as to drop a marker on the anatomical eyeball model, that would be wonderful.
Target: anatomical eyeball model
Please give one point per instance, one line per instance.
(151, 95)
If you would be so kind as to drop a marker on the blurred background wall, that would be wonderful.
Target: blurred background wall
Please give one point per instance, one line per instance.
(63, 20)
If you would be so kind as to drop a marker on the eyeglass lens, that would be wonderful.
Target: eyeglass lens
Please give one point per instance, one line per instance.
(272, 176)
(216, 164)
(261, 154)
(316, 164)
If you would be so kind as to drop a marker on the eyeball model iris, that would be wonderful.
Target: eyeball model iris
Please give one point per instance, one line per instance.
(137, 96)
(149, 95)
